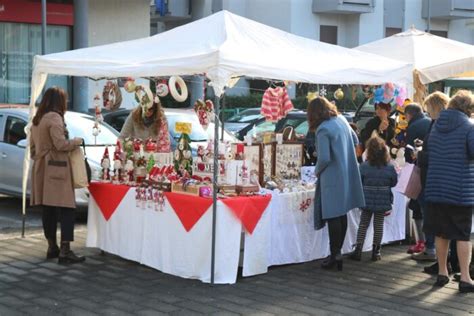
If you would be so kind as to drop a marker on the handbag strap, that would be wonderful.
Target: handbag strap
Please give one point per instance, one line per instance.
(84, 149)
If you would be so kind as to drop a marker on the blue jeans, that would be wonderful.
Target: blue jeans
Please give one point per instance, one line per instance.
(429, 238)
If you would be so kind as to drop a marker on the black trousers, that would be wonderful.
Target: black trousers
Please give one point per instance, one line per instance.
(337, 233)
(51, 214)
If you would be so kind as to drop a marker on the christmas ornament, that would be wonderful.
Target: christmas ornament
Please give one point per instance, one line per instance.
(144, 97)
(130, 85)
(204, 112)
(311, 96)
(111, 95)
(323, 92)
(339, 94)
(162, 89)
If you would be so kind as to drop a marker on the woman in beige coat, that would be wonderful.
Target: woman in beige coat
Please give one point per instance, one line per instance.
(52, 185)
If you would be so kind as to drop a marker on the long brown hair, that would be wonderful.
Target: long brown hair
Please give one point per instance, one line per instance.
(318, 111)
(54, 100)
(377, 152)
(158, 116)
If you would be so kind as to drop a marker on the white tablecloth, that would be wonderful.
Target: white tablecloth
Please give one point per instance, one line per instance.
(283, 235)
(159, 240)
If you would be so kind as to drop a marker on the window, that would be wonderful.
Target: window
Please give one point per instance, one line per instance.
(440, 33)
(389, 31)
(328, 34)
(14, 130)
(19, 43)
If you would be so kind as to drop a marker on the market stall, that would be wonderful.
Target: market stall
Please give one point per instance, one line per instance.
(221, 47)
(432, 57)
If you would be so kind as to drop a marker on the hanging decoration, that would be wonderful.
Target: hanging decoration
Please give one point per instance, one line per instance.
(144, 97)
(98, 117)
(130, 85)
(339, 94)
(162, 89)
(178, 96)
(311, 96)
(323, 92)
(111, 95)
(204, 112)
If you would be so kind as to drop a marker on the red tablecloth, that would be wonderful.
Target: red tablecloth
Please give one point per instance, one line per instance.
(107, 196)
(248, 209)
(188, 208)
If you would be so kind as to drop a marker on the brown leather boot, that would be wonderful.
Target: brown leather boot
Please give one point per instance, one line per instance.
(53, 249)
(66, 256)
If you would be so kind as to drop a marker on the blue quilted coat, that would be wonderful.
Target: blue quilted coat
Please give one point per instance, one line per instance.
(377, 183)
(450, 178)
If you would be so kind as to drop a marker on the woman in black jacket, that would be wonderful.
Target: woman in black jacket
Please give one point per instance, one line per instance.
(381, 123)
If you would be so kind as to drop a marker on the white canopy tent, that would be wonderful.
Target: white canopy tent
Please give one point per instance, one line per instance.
(432, 57)
(221, 46)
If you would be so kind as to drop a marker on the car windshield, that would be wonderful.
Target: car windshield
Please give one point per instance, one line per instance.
(245, 117)
(198, 134)
(302, 129)
(81, 126)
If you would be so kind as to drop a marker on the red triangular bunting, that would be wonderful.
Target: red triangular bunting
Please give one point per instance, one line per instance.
(107, 196)
(189, 209)
(248, 209)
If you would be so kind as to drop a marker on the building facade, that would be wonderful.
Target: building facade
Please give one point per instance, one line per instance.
(70, 24)
(341, 22)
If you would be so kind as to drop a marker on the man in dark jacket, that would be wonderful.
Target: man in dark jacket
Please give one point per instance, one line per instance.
(418, 128)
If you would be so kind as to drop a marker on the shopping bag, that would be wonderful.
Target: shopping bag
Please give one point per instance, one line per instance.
(409, 181)
(80, 168)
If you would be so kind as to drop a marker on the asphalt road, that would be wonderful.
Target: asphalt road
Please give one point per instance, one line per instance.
(11, 218)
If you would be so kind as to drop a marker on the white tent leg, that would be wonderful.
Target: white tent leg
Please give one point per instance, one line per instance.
(38, 81)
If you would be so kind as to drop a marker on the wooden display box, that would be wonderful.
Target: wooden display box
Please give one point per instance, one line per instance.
(253, 155)
(289, 158)
(268, 161)
(192, 189)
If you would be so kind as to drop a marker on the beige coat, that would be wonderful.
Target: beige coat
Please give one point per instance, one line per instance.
(51, 179)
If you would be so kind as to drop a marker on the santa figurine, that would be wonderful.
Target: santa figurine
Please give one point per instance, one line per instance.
(118, 177)
(129, 168)
(118, 164)
(105, 163)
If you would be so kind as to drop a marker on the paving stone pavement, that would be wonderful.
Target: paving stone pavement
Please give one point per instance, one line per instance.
(109, 285)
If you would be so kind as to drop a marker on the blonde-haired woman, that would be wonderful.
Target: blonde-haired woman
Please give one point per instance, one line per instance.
(435, 103)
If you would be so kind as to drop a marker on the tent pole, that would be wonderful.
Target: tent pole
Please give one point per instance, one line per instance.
(221, 113)
(214, 182)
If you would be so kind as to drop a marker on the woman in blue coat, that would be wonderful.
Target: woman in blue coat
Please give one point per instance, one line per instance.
(449, 186)
(339, 187)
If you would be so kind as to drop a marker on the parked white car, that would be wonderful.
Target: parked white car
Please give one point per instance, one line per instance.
(13, 142)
